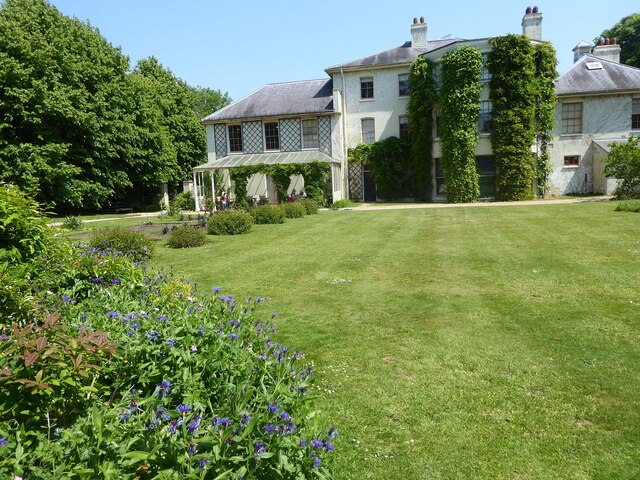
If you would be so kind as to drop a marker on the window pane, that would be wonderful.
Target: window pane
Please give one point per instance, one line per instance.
(235, 138)
(368, 130)
(635, 115)
(310, 133)
(366, 87)
(485, 118)
(404, 128)
(571, 118)
(272, 136)
(403, 85)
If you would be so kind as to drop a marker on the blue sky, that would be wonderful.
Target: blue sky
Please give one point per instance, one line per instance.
(238, 46)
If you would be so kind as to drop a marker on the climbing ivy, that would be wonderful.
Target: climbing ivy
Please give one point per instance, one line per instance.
(316, 176)
(513, 93)
(422, 99)
(545, 60)
(459, 108)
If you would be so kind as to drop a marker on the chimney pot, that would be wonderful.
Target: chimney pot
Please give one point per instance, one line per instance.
(415, 20)
(527, 11)
(421, 19)
(535, 9)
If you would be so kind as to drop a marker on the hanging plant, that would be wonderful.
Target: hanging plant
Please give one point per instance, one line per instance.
(459, 108)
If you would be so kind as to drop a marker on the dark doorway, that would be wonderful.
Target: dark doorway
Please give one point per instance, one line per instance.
(369, 185)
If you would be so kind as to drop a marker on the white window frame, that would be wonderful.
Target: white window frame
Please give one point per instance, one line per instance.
(569, 120)
(368, 133)
(239, 125)
(403, 78)
(317, 134)
(367, 80)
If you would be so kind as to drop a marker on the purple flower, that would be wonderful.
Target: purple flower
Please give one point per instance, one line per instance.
(274, 407)
(328, 446)
(194, 424)
(217, 290)
(201, 330)
(333, 433)
(68, 299)
(183, 408)
(3, 442)
(202, 463)
(162, 318)
(152, 336)
(171, 343)
(244, 420)
(316, 444)
(285, 416)
(134, 326)
(194, 348)
(113, 314)
(234, 323)
(191, 449)
(116, 281)
(316, 461)
(220, 422)
(258, 448)
(4, 337)
(164, 388)
(303, 443)
(97, 280)
(124, 415)
(130, 333)
(233, 336)
(270, 428)
(259, 299)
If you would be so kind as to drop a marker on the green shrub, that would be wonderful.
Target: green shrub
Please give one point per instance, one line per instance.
(71, 223)
(344, 203)
(623, 163)
(131, 243)
(267, 214)
(309, 205)
(186, 237)
(229, 222)
(294, 209)
(628, 206)
(185, 201)
(23, 230)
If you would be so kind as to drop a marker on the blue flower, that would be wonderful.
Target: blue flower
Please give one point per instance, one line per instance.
(162, 318)
(316, 444)
(201, 330)
(202, 463)
(303, 443)
(164, 388)
(333, 433)
(244, 420)
(194, 424)
(270, 428)
(68, 299)
(113, 314)
(97, 280)
(152, 336)
(233, 336)
(124, 415)
(328, 446)
(285, 416)
(130, 333)
(274, 407)
(116, 281)
(258, 448)
(220, 422)
(217, 290)
(191, 449)
(183, 408)
(3, 442)
(134, 326)
(316, 461)
(171, 343)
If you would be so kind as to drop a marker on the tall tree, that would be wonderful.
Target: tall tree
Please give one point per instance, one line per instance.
(627, 34)
(207, 100)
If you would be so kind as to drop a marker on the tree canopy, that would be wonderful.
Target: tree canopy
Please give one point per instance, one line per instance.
(78, 128)
(627, 34)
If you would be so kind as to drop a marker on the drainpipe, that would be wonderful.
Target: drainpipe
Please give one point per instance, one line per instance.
(343, 102)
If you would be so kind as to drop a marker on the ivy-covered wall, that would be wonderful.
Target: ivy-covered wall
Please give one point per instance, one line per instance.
(423, 97)
(521, 84)
(459, 108)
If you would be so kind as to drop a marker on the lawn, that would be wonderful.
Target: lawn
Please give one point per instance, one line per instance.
(477, 342)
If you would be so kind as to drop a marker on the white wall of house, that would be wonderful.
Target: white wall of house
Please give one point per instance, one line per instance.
(603, 117)
(384, 108)
(211, 143)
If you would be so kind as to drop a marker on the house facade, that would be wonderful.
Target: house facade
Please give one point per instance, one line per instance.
(365, 101)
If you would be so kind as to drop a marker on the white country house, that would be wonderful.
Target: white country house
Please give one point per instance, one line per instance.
(365, 101)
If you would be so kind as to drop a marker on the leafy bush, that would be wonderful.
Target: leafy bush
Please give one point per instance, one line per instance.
(131, 243)
(309, 205)
(23, 230)
(628, 206)
(186, 237)
(185, 201)
(229, 222)
(267, 214)
(623, 163)
(197, 388)
(71, 223)
(294, 209)
(344, 203)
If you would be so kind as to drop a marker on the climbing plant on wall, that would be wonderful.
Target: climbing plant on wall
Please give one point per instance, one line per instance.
(316, 175)
(545, 61)
(459, 107)
(423, 97)
(513, 93)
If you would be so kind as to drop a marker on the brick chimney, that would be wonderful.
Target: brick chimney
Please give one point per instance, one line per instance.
(607, 49)
(418, 33)
(532, 23)
(580, 50)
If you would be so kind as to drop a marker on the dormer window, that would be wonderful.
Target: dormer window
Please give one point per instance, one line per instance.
(366, 88)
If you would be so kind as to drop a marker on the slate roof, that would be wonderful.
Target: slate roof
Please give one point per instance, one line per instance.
(611, 77)
(280, 99)
(395, 56)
